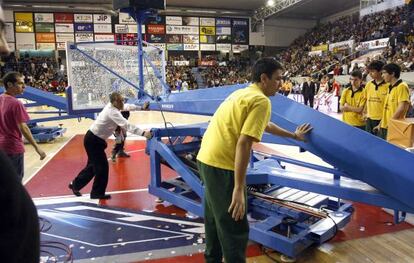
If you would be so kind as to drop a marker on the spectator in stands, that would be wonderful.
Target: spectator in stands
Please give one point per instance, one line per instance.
(375, 93)
(352, 102)
(397, 102)
(13, 119)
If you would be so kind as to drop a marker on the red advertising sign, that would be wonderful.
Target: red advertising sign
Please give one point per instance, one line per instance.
(64, 18)
(208, 63)
(156, 29)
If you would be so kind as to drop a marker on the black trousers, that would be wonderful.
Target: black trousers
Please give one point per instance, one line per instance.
(309, 98)
(97, 166)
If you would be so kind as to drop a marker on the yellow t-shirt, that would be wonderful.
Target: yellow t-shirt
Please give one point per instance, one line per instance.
(245, 111)
(354, 99)
(398, 93)
(375, 96)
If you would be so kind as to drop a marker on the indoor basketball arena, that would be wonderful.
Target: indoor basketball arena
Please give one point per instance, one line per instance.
(207, 131)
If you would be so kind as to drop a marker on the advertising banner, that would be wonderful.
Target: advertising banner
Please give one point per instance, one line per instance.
(155, 38)
(125, 18)
(207, 47)
(207, 21)
(9, 32)
(25, 41)
(128, 29)
(83, 27)
(320, 47)
(61, 45)
(45, 46)
(177, 47)
(83, 37)
(182, 29)
(104, 37)
(156, 29)
(44, 17)
(102, 19)
(45, 37)
(349, 44)
(83, 18)
(157, 20)
(191, 21)
(64, 28)
(191, 47)
(191, 39)
(207, 30)
(175, 39)
(373, 44)
(223, 47)
(208, 39)
(45, 27)
(65, 37)
(223, 30)
(24, 22)
(174, 20)
(102, 28)
(223, 39)
(226, 22)
(64, 18)
(239, 48)
(181, 63)
(240, 35)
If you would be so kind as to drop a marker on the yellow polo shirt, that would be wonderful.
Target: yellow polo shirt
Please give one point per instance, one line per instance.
(398, 93)
(354, 99)
(245, 111)
(375, 96)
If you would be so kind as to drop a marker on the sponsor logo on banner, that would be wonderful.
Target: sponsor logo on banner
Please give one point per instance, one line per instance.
(182, 30)
(207, 47)
(181, 62)
(45, 27)
(207, 21)
(223, 30)
(125, 18)
(45, 37)
(161, 46)
(64, 18)
(25, 41)
(239, 48)
(208, 63)
(64, 28)
(174, 20)
(156, 29)
(83, 27)
(102, 28)
(45, 46)
(126, 39)
(373, 44)
(83, 18)
(174, 39)
(208, 39)
(315, 53)
(104, 37)
(9, 32)
(157, 20)
(102, 19)
(223, 47)
(175, 47)
(24, 22)
(223, 39)
(83, 37)
(341, 45)
(207, 30)
(61, 45)
(223, 22)
(191, 21)
(155, 38)
(44, 18)
(191, 39)
(191, 47)
(241, 22)
(128, 29)
(320, 47)
(240, 35)
(65, 37)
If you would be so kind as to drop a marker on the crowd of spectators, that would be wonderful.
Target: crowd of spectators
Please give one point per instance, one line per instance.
(39, 72)
(374, 26)
(226, 72)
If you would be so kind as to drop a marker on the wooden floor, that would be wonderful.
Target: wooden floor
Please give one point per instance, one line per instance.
(390, 247)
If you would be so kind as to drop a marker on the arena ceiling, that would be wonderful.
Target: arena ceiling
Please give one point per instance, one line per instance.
(306, 9)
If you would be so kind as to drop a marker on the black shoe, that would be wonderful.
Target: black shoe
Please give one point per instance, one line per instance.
(74, 191)
(123, 154)
(105, 197)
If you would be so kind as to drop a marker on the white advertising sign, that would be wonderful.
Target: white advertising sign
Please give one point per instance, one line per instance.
(124, 18)
(43, 18)
(102, 28)
(239, 48)
(128, 29)
(207, 21)
(346, 44)
(9, 32)
(191, 47)
(174, 20)
(223, 47)
(83, 18)
(104, 37)
(193, 30)
(83, 37)
(64, 37)
(223, 31)
(102, 19)
(63, 28)
(45, 46)
(25, 41)
(181, 63)
(191, 21)
(208, 47)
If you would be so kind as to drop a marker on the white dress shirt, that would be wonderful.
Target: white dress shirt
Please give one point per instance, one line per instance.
(110, 118)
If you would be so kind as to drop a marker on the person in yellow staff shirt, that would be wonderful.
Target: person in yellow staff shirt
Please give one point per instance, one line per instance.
(375, 92)
(397, 101)
(287, 87)
(224, 155)
(352, 102)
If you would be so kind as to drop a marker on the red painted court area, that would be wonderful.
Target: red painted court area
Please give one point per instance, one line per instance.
(134, 173)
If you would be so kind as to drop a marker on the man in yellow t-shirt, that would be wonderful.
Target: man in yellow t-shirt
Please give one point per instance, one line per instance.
(397, 102)
(375, 92)
(352, 102)
(224, 155)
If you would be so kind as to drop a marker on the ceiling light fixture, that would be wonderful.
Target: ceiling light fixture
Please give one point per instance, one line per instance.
(270, 2)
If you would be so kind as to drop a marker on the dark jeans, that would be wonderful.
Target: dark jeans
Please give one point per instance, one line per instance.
(224, 236)
(18, 163)
(370, 124)
(307, 98)
(97, 166)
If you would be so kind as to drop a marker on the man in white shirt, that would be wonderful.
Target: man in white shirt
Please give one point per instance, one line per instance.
(95, 143)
